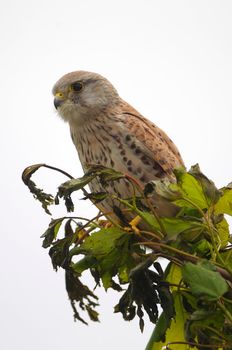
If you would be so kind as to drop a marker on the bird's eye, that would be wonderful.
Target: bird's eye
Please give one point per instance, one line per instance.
(77, 86)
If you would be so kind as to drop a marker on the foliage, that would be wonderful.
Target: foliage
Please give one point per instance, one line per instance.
(194, 292)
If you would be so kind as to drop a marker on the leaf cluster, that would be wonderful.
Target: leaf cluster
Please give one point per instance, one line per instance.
(194, 292)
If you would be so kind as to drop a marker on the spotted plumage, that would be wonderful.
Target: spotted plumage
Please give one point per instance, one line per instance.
(106, 130)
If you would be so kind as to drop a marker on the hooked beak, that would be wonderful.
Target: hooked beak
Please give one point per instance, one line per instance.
(58, 102)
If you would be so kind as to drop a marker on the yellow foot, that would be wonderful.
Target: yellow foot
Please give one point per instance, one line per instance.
(133, 225)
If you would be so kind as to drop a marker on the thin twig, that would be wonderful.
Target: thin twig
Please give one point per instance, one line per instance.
(59, 170)
(188, 257)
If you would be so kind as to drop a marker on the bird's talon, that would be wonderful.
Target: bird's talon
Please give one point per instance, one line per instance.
(133, 225)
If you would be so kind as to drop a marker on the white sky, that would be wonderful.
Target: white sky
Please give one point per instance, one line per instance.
(171, 60)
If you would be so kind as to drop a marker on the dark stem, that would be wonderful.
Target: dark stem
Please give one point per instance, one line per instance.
(157, 247)
(59, 170)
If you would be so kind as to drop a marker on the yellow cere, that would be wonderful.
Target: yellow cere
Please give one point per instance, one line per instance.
(59, 94)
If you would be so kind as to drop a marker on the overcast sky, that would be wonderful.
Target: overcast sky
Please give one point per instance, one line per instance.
(171, 60)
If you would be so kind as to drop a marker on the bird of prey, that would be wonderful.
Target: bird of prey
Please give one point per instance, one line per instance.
(106, 130)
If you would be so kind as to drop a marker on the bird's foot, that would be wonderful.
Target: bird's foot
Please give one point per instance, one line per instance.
(133, 225)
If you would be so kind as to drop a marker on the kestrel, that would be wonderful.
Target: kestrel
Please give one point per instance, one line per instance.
(106, 130)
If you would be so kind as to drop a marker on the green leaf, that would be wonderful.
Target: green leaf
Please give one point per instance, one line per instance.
(196, 292)
(172, 226)
(104, 174)
(66, 188)
(175, 226)
(151, 220)
(196, 188)
(107, 175)
(223, 232)
(204, 321)
(204, 282)
(102, 242)
(191, 190)
(83, 264)
(227, 258)
(193, 234)
(59, 252)
(212, 194)
(159, 334)
(224, 205)
(127, 264)
(108, 250)
(96, 197)
(51, 233)
(173, 334)
(202, 247)
(173, 275)
(209, 317)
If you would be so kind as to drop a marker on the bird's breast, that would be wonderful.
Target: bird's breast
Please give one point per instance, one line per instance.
(111, 145)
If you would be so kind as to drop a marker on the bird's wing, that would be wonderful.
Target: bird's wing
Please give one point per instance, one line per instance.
(156, 144)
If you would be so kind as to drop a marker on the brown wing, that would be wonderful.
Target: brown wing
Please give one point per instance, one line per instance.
(156, 144)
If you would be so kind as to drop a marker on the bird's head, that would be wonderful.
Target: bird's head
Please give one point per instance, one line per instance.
(80, 95)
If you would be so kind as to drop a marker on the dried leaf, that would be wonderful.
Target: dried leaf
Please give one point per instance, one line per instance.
(44, 198)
